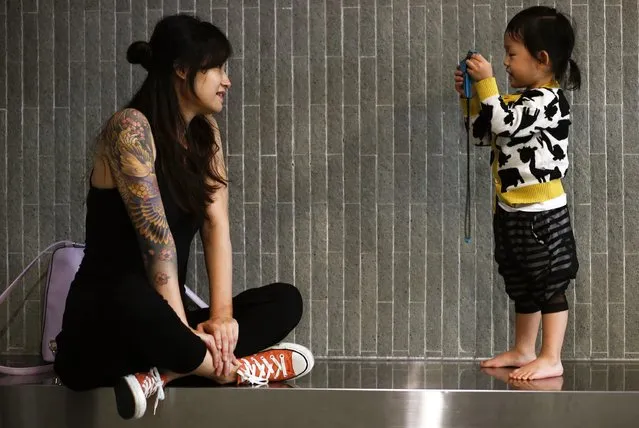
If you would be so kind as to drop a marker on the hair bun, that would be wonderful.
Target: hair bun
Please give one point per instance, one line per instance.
(140, 53)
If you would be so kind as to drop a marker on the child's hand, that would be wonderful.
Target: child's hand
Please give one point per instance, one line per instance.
(459, 83)
(479, 68)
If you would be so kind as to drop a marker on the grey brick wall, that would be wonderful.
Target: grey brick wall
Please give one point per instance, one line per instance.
(347, 160)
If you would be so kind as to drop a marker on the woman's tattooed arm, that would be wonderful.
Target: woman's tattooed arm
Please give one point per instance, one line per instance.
(130, 152)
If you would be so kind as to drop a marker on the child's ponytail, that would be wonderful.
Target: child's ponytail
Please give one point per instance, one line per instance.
(574, 76)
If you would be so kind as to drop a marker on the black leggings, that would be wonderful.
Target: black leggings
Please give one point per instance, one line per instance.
(132, 328)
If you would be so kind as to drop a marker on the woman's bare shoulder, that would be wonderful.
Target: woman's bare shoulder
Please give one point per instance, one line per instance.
(127, 130)
(127, 118)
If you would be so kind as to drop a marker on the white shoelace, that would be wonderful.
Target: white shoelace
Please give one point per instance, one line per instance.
(153, 384)
(258, 373)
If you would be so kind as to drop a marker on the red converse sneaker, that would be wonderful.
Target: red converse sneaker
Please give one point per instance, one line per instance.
(132, 391)
(285, 361)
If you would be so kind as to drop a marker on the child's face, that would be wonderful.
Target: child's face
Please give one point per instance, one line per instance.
(524, 70)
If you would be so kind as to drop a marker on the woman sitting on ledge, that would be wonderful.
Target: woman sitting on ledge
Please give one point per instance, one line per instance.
(158, 178)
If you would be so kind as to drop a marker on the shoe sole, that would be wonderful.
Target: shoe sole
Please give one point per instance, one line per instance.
(301, 350)
(128, 398)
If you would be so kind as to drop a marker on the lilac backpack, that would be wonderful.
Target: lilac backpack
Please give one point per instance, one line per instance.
(65, 261)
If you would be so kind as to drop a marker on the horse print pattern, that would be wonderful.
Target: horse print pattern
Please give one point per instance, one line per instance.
(529, 136)
(527, 155)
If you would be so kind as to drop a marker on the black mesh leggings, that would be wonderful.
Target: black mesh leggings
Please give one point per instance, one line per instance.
(537, 257)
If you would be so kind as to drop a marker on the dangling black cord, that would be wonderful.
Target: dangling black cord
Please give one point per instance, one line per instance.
(467, 238)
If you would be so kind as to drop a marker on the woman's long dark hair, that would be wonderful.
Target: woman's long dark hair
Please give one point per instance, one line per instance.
(181, 42)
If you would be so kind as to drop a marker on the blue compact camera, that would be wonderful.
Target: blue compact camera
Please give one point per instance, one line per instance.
(468, 82)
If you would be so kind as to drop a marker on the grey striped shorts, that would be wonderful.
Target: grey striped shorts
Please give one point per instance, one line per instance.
(537, 257)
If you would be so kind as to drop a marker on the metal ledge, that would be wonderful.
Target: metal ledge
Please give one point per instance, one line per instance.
(353, 394)
(53, 407)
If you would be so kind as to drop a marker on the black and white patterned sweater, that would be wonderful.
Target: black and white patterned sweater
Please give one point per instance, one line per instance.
(528, 133)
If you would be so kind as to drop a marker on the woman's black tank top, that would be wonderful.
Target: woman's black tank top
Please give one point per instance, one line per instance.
(112, 248)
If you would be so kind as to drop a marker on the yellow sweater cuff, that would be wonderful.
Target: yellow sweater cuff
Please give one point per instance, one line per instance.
(487, 88)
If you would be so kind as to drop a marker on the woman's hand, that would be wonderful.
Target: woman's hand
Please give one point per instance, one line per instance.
(216, 354)
(224, 331)
(479, 68)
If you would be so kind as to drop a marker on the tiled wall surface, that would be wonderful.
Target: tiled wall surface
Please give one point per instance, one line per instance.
(347, 159)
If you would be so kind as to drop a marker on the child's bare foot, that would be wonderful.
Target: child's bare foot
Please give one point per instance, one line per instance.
(541, 368)
(550, 384)
(512, 358)
(501, 373)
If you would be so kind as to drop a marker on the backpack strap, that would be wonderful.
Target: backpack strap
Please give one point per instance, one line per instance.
(46, 368)
(195, 298)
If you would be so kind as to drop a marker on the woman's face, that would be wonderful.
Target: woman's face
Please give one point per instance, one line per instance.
(210, 87)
